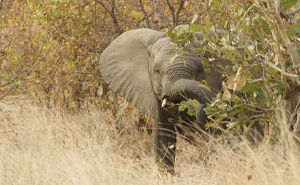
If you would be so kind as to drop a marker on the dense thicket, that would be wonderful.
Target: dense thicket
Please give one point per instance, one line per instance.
(49, 51)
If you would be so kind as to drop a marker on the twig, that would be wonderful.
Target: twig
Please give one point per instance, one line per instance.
(112, 14)
(178, 12)
(292, 13)
(78, 72)
(288, 43)
(78, 41)
(6, 93)
(254, 6)
(145, 14)
(278, 69)
(172, 11)
(175, 16)
(138, 22)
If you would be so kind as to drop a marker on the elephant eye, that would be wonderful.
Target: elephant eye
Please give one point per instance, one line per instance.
(199, 71)
(157, 71)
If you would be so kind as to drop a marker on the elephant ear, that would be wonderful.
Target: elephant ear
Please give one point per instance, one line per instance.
(124, 67)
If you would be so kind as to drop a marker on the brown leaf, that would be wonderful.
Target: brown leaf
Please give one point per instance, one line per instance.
(219, 95)
(234, 87)
(236, 83)
(226, 96)
(231, 82)
(224, 86)
(241, 83)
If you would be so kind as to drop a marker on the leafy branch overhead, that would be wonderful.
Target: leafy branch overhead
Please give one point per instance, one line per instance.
(51, 50)
(261, 41)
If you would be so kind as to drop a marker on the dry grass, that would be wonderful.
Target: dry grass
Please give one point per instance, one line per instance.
(42, 146)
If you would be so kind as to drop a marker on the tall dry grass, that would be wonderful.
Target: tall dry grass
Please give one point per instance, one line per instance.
(42, 146)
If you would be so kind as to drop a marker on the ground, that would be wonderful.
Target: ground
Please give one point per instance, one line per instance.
(47, 146)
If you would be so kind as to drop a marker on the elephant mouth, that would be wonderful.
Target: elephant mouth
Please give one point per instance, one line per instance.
(167, 101)
(184, 89)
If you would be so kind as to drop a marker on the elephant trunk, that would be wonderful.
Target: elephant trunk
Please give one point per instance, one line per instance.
(186, 88)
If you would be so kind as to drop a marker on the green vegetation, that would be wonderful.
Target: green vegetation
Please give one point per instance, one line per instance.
(262, 43)
(49, 52)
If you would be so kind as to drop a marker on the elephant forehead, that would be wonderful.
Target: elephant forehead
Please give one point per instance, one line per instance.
(166, 59)
(160, 52)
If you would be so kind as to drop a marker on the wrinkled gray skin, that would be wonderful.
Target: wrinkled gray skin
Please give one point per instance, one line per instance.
(136, 66)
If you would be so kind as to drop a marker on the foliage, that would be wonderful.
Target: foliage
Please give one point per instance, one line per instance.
(50, 49)
(264, 51)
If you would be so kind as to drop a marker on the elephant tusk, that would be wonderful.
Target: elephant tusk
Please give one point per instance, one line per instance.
(164, 102)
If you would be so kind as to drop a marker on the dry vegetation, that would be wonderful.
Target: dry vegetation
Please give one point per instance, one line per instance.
(43, 146)
(49, 52)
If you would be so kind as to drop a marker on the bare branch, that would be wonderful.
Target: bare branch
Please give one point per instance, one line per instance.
(146, 17)
(278, 69)
(78, 41)
(288, 43)
(145, 14)
(112, 14)
(7, 93)
(178, 12)
(172, 11)
(292, 13)
(250, 8)
(175, 16)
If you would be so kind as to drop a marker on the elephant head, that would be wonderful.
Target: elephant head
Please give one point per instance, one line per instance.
(136, 65)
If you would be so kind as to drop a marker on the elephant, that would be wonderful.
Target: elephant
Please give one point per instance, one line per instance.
(136, 66)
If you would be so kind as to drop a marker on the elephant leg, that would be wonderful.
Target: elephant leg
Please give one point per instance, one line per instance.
(164, 145)
(256, 133)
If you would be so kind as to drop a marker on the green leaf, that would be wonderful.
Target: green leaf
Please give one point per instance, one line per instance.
(181, 108)
(191, 113)
(207, 70)
(220, 65)
(265, 25)
(293, 30)
(204, 86)
(194, 18)
(238, 73)
(235, 111)
(207, 22)
(215, 3)
(228, 68)
(235, 67)
(171, 52)
(248, 76)
(298, 51)
(206, 37)
(241, 115)
(210, 110)
(245, 63)
(280, 86)
(196, 27)
(230, 125)
(250, 87)
(240, 11)
(218, 121)
(173, 58)
(288, 3)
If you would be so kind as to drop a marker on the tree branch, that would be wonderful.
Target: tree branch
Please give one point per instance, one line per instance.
(278, 69)
(172, 11)
(292, 13)
(78, 41)
(112, 14)
(175, 16)
(288, 43)
(253, 6)
(178, 12)
(145, 14)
